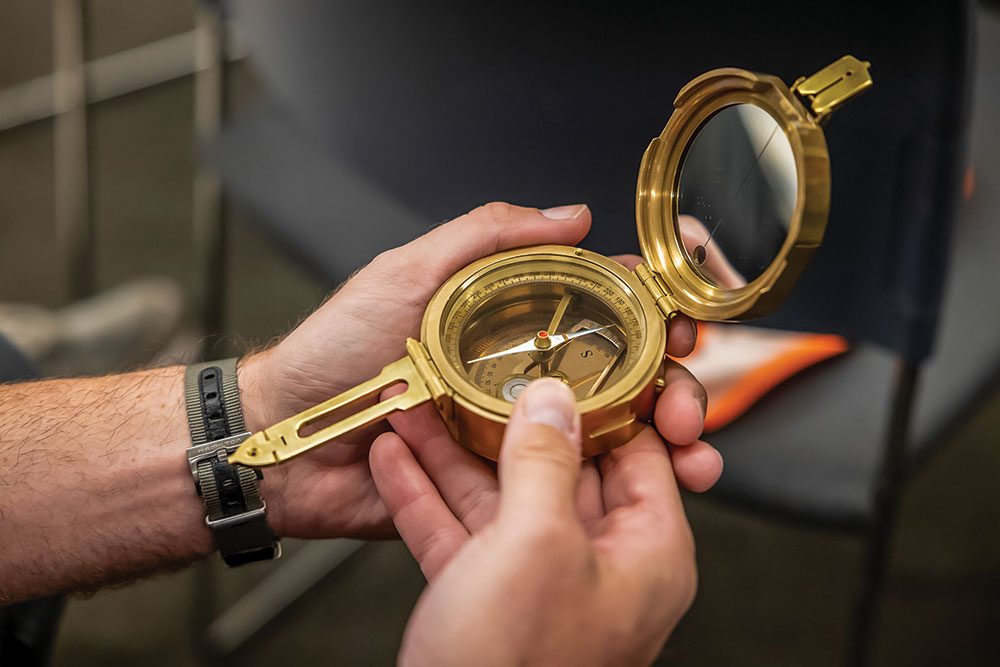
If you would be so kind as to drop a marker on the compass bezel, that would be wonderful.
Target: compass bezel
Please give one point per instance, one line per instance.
(628, 387)
(656, 201)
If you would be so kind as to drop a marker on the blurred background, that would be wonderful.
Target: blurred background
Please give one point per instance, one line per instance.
(183, 180)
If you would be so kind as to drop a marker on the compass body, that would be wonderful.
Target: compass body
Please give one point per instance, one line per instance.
(548, 311)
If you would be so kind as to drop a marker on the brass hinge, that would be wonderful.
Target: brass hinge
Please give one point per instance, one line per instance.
(833, 85)
(426, 368)
(658, 290)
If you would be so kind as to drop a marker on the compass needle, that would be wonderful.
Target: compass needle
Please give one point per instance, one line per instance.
(534, 344)
(523, 347)
(568, 337)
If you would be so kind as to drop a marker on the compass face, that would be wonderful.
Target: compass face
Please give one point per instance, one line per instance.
(543, 318)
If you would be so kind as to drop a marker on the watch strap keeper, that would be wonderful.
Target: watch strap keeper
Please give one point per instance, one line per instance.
(213, 400)
(235, 511)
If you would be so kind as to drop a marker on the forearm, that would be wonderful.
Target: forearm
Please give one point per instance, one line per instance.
(94, 483)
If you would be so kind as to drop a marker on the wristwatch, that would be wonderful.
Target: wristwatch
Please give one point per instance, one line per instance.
(235, 511)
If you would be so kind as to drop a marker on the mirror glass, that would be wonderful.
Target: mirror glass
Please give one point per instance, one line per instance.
(736, 195)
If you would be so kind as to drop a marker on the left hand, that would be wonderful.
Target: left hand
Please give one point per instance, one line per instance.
(363, 326)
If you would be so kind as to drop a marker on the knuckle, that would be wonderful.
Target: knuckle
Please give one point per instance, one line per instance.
(677, 372)
(545, 450)
(378, 269)
(438, 540)
(384, 259)
(497, 211)
(681, 379)
(474, 501)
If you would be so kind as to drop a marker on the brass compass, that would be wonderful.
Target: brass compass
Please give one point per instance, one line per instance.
(731, 202)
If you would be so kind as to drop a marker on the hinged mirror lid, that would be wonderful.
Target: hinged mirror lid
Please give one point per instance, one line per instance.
(732, 197)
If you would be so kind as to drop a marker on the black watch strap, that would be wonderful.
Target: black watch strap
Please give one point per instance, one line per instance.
(212, 397)
(235, 511)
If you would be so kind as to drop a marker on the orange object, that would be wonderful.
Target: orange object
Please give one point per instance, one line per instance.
(739, 364)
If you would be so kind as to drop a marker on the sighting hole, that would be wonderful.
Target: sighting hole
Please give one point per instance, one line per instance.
(699, 255)
(348, 409)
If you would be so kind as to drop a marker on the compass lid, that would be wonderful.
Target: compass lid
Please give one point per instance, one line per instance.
(732, 197)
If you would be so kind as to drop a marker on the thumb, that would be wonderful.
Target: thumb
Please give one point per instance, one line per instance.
(484, 231)
(540, 455)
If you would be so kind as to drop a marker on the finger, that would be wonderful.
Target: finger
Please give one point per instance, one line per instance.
(679, 413)
(628, 261)
(646, 523)
(682, 334)
(697, 467)
(589, 502)
(466, 482)
(540, 455)
(429, 529)
(489, 229)
(639, 472)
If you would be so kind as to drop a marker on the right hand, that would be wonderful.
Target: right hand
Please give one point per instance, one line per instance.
(589, 565)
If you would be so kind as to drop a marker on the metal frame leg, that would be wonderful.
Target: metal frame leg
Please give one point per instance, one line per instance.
(208, 215)
(74, 228)
(887, 495)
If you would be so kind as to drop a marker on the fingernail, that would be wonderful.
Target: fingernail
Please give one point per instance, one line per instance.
(694, 329)
(564, 212)
(550, 402)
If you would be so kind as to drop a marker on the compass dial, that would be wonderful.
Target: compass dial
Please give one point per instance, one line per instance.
(541, 318)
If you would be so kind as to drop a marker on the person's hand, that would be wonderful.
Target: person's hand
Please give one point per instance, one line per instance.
(348, 340)
(564, 565)
(362, 327)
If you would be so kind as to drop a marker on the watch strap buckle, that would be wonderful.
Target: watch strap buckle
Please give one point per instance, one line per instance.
(242, 536)
(233, 533)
